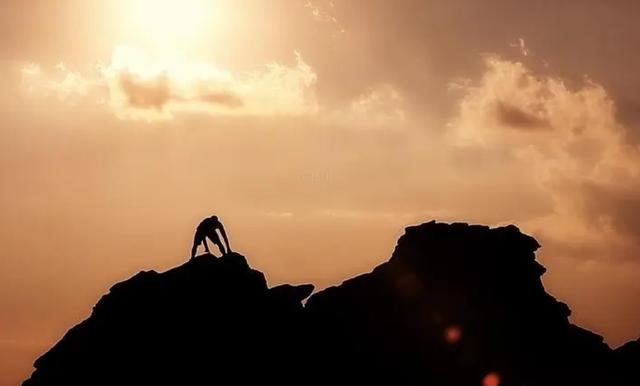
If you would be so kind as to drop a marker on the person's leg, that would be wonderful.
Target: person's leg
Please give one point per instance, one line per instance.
(194, 248)
(216, 240)
(220, 247)
(206, 246)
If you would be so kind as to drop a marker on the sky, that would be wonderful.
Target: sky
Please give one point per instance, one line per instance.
(316, 130)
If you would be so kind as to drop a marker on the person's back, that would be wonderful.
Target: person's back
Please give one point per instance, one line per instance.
(208, 224)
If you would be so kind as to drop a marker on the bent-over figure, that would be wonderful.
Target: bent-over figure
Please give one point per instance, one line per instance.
(207, 229)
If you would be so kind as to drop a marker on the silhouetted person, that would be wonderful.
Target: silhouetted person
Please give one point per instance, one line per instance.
(207, 229)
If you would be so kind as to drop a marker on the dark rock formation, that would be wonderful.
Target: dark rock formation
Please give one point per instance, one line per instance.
(201, 323)
(455, 305)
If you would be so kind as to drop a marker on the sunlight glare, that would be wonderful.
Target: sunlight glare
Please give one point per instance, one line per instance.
(170, 20)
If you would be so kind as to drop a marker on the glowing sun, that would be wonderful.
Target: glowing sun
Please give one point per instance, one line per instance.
(170, 19)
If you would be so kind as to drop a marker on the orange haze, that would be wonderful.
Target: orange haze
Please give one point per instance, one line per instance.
(316, 130)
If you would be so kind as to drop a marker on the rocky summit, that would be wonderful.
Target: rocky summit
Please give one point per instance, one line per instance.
(456, 304)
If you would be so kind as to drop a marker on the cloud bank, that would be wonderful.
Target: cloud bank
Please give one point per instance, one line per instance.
(572, 144)
(139, 86)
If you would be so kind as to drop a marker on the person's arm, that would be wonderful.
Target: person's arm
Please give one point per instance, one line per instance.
(224, 237)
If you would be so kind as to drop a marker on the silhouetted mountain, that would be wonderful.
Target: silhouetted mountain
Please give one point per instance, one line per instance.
(201, 323)
(455, 305)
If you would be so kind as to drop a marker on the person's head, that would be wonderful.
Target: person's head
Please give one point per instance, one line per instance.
(214, 218)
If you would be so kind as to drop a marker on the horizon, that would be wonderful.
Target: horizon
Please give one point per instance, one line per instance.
(317, 131)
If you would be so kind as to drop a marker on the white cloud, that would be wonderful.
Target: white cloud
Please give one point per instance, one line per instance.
(60, 82)
(177, 84)
(571, 144)
(381, 105)
(138, 85)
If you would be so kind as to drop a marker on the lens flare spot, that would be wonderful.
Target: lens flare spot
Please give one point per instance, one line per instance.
(452, 334)
(491, 379)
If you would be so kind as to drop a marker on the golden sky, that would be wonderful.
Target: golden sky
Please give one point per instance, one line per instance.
(316, 130)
